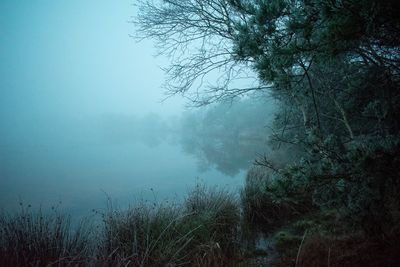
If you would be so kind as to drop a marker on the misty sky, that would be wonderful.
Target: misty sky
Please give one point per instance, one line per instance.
(71, 58)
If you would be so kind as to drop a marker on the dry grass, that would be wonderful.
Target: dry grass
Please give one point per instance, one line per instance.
(216, 213)
(37, 239)
(200, 232)
(204, 230)
(145, 235)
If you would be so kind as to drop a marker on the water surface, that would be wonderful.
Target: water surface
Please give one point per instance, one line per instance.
(81, 162)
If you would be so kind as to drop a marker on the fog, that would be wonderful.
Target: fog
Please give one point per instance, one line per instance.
(81, 116)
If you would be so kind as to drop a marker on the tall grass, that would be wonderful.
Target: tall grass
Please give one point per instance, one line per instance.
(145, 235)
(253, 195)
(37, 239)
(200, 232)
(207, 229)
(216, 215)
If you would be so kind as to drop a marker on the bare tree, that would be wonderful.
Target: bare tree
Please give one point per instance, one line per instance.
(198, 36)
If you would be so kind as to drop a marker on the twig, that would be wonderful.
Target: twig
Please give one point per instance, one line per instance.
(301, 244)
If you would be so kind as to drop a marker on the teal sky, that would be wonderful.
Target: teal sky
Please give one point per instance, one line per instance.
(75, 58)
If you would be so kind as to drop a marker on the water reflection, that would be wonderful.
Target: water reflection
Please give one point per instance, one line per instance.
(79, 161)
(227, 136)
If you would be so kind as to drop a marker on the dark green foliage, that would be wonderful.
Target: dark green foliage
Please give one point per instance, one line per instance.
(286, 241)
(369, 195)
(333, 67)
(270, 202)
(362, 188)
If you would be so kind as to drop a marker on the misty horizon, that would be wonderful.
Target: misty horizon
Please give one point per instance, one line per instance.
(83, 112)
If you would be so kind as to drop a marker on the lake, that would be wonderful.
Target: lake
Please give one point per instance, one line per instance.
(77, 163)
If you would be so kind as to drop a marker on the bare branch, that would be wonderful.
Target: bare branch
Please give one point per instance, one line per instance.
(197, 35)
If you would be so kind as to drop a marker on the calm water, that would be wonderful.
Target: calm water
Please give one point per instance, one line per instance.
(79, 163)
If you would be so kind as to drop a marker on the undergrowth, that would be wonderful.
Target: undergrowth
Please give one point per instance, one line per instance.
(35, 238)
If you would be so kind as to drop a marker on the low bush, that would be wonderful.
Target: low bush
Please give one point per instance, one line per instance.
(271, 201)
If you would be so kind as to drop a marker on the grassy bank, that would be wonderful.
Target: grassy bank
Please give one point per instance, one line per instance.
(204, 230)
(211, 227)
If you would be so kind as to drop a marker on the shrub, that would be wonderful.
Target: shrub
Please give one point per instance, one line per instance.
(364, 187)
(271, 201)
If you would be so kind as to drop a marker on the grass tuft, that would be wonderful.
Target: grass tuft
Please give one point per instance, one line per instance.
(203, 231)
(37, 239)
